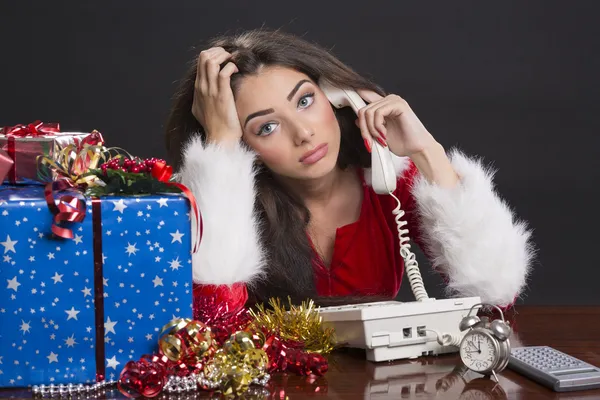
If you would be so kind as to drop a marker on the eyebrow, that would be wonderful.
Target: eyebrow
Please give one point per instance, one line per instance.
(270, 110)
(295, 89)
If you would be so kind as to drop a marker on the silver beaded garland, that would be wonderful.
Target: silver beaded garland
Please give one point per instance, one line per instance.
(262, 381)
(175, 385)
(257, 391)
(70, 390)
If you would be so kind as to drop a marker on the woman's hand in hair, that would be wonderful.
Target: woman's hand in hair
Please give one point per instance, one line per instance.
(391, 121)
(214, 105)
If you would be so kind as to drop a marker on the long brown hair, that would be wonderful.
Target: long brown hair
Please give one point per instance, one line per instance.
(283, 216)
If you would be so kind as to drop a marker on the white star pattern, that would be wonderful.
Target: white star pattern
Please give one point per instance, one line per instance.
(163, 202)
(157, 281)
(72, 313)
(175, 264)
(109, 326)
(50, 315)
(119, 206)
(70, 342)
(52, 357)
(57, 278)
(176, 237)
(9, 245)
(112, 362)
(13, 284)
(131, 249)
(25, 326)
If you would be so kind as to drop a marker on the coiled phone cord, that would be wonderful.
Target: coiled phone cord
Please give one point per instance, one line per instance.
(411, 266)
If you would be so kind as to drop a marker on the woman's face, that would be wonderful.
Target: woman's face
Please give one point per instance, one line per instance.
(289, 122)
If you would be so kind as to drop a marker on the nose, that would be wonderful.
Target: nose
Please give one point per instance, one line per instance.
(302, 132)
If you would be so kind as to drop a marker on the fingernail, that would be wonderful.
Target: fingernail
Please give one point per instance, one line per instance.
(367, 145)
(382, 135)
(382, 142)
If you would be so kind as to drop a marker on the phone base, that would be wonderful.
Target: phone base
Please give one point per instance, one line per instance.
(393, 330)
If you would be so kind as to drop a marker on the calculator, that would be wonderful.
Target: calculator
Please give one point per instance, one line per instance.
(554, 369)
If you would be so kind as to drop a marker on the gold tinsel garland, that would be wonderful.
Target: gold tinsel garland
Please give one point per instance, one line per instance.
(296, 323)
(258, 342)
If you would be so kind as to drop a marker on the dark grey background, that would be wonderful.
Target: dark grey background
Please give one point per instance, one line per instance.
(514, 82)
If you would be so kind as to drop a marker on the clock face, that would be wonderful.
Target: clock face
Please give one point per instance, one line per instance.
(478, 352)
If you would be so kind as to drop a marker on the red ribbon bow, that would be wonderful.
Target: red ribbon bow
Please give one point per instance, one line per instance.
(163, 173)
(36, 128)
(69, 208)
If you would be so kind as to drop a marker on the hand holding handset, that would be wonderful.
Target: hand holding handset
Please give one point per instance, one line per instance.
(383, 177)
(383, 174)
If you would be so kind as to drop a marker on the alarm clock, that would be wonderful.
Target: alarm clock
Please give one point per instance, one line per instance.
(485, 348)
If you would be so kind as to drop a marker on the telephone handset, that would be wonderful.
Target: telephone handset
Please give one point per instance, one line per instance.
(383, 177)
(383, 174)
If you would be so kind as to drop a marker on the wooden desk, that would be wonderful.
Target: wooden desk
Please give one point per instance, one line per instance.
(574, 330)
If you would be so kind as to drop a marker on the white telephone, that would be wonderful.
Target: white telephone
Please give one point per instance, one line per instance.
(383, 177)
(391, 329)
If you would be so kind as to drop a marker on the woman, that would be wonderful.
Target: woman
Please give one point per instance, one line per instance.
(282, 182)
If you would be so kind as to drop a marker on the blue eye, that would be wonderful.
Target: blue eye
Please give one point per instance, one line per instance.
(306, 100)
(267, 129)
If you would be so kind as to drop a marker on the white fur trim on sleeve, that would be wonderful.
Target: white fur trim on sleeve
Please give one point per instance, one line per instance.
(472, 236)
(222, 180)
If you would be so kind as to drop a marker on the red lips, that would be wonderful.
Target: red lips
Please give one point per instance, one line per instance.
(315, 154)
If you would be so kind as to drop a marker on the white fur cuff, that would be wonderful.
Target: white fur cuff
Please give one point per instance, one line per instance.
(222, 180)
(471, 235)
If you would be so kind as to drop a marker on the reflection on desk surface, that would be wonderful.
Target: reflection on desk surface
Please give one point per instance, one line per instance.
(573, 330)
(441, 377)
(433, 377)
(351, 376)
(419, 380)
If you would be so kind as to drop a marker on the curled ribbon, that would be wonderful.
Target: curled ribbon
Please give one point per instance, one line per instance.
(146, 377)
(71, 165)
(237, 364)
(186, 341)
(232, 367)
(163, 173)
(69, 208)
(75, 160)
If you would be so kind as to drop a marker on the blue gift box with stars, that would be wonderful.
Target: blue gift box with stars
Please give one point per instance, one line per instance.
(70, 314)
